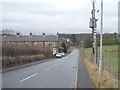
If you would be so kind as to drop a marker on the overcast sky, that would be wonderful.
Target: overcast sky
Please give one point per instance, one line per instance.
(52, 16)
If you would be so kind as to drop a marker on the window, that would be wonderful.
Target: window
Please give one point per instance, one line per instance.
(26, 43)
(35, 43)
(8, 43)
(13, 43)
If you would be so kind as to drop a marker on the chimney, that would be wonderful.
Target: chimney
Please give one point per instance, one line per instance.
(43, 33)
(18, 34)
(30, 34)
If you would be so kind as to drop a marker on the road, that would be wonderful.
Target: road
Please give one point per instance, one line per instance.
(58, 73)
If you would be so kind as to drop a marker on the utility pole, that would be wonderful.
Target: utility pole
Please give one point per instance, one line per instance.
(101, 55)
(93, 25)
(94, 29)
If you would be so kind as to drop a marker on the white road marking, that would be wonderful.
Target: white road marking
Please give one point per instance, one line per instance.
(28, 77)
(56, 64)
(76, 77)
(48, 68)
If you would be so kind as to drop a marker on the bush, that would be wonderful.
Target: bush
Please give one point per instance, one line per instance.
(12, 51)
(18, 55)
(10, 61)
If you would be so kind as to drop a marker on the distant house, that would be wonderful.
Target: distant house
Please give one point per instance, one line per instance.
(43, 41)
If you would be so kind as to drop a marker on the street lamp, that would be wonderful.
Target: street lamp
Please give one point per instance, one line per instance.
(101, 57)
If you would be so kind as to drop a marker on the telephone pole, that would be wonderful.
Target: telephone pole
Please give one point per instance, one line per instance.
(93, 25)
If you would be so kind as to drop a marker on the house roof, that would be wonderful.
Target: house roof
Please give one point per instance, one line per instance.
(47, 38)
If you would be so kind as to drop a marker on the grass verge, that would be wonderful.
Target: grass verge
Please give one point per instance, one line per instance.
(108, 80)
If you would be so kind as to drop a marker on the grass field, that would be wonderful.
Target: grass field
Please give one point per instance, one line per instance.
(110, 52)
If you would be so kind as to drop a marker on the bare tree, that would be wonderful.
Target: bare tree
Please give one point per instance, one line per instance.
(7, 32)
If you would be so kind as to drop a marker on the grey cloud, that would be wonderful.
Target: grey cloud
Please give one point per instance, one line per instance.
(46, 17)
(36, 8)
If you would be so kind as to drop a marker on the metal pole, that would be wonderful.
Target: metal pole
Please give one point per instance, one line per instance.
(93, 28)
(101, 56)
(95, 42)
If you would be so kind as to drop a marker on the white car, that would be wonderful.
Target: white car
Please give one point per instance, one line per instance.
(58, 55)
(63, 54)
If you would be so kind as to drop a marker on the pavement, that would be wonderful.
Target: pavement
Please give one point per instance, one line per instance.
(83, 77)
(58, 73)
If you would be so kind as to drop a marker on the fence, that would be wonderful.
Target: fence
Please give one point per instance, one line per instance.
(108, 80)
(110, 63)
(110, 59)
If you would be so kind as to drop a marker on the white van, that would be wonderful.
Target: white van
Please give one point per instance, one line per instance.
(54, 51)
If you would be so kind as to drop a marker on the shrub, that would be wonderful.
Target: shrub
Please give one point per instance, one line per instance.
(10, 61)
(12, 51)
(18, 55)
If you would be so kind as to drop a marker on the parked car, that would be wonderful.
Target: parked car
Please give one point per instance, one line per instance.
(63, 54)
(58, 55)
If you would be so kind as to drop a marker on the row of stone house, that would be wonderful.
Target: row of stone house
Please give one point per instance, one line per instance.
(43, 41)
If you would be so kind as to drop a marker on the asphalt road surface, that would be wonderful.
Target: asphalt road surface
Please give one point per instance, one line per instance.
(59, 73)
